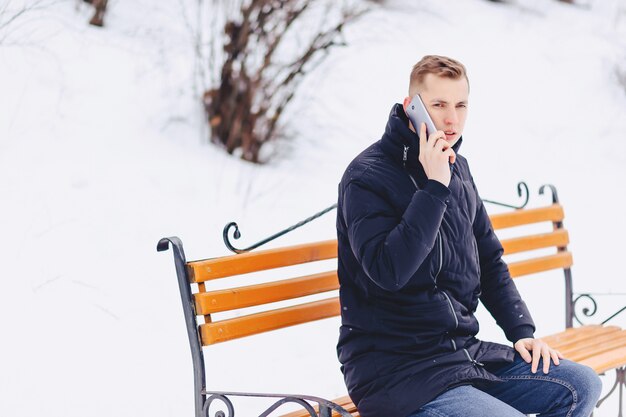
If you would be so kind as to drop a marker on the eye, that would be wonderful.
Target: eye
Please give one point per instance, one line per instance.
(462, 105)
(437, 105)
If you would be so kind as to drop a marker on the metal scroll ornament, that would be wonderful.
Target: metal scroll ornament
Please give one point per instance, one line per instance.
(237, 233)
(587, 310)
(591, 308)
(220, 413)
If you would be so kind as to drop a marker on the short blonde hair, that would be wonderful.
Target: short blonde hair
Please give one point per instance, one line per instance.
(441, 66)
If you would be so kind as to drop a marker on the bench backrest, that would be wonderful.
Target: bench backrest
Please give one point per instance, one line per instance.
(207, 302)
(239, 297)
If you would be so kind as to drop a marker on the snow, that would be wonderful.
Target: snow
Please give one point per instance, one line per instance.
(103, 151)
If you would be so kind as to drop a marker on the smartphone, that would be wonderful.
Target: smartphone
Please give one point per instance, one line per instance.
(417, 113)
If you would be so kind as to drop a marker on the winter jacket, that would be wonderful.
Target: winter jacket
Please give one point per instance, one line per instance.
(414, 258)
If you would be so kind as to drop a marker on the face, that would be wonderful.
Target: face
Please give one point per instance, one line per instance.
(446, 100)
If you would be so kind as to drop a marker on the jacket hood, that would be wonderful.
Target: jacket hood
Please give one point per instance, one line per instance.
(398, 134)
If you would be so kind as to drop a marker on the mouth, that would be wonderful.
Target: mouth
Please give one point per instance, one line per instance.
(449, 134)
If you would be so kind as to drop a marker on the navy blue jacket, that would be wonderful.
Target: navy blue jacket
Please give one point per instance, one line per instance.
(414, 258)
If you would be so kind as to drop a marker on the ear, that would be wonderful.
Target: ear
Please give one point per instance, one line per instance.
(406, 102)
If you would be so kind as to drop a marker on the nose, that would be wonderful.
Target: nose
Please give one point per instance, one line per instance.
(451, 117)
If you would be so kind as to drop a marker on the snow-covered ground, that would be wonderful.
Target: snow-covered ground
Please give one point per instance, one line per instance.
(103, 151)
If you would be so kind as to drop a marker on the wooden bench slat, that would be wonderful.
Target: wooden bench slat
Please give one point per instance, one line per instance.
(200, 271)
(577, 334)
(229, 329)
(606, 361)
(269, 292)
(558, 238)
(569, 330)
(553, 213)
(545, 263)
(554, 339)
(570, 347)
(580, 353)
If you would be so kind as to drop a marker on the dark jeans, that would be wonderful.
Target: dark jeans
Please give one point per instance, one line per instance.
(568, 390)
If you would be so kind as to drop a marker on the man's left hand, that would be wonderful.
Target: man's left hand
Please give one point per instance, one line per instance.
(539, 349)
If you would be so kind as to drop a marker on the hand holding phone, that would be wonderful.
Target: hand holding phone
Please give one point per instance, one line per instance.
(437, 157)
(431, 156)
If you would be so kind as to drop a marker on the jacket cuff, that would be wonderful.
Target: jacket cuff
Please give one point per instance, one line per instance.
(521, 332)
(438, 190)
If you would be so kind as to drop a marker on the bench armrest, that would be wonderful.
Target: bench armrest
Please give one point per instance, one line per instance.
(324, 407)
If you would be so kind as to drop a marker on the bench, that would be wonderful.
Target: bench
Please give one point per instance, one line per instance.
(603, 348)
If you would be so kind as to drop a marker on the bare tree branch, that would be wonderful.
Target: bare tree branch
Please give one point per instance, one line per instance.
(244, 106)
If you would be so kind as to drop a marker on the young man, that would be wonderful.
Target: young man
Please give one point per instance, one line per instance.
(416, 253)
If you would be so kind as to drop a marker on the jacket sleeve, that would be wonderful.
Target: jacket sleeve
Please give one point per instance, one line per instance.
(499, 293)
(389, 250)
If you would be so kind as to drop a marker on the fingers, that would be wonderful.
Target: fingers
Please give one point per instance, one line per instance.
(536, 357)
(450, 154)
(554, 355)
(438, 141)
(541, 350)
(546, 356)
(435, 154)
(434, 141)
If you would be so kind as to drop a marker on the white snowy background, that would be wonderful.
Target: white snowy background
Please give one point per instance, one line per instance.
(103, 150)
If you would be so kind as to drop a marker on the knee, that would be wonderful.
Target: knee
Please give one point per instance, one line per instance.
(592, 384)
(587, 385)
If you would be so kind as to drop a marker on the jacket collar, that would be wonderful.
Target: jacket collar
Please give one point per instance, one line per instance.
(398, 135)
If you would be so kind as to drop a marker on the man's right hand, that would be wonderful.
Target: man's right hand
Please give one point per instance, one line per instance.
(435, 155)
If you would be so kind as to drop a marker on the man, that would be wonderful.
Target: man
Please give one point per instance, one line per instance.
(416, 253)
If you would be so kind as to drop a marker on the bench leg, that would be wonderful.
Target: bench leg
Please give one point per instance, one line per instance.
(620, 381)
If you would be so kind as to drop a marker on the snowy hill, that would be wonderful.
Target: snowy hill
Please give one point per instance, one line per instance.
(103, 151)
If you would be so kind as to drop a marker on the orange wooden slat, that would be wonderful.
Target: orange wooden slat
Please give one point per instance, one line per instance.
(551, 213)
(563, 337)
(545, 263)
(200, 271)
(584, 336)
(558, 238)
(606, 361)
(608, 342)
(229, 329)
(269, 292)
(608, 335)
(345, 402)
(570, 330)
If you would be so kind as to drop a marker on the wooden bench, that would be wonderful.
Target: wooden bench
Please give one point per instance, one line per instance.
(603, 348)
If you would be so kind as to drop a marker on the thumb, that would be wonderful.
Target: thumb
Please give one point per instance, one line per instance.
(524, 353)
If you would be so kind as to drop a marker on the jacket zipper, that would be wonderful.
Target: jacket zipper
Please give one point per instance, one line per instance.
(404, 156)
(456, 320)
(440, 245)
(473, 361)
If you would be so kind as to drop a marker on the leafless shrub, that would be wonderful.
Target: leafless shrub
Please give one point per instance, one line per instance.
(267, 47)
